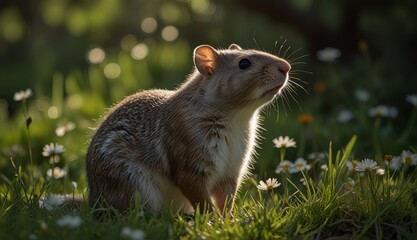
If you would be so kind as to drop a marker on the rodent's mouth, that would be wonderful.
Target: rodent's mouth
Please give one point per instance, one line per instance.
(272, 92)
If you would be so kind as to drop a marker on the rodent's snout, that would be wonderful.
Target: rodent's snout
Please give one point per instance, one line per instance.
(284, 67)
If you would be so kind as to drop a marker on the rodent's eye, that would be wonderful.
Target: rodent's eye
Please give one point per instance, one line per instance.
(244, 63)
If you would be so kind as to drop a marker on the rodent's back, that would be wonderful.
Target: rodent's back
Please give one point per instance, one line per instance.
(135, 120)
(130, 130)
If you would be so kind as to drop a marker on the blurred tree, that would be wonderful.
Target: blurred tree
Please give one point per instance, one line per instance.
(41, 37)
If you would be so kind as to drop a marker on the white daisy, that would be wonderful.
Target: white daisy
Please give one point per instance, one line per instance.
(63, 129)
(366, 165)
(69, 221)
(380, 171)
(351, 165)
(301, 164)
(22, 95)
(286, 166)
(317, 156)
(52, 149)
(408, 158)
(344, 116)
(52, 201)
(284, 142)
(56, 173)
(328, 54)
(270, 184)
(134, 234)
(395, 163)
(383, 111)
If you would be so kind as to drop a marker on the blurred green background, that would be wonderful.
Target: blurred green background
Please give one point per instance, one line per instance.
(80, 57)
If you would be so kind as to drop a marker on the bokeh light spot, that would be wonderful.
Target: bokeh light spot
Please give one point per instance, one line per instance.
(139, 51)
(149, 25)
(112, 70)
(169, 33)
(96, 55)
(53, 112)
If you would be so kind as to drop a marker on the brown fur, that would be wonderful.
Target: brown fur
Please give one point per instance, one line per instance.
(157, 141)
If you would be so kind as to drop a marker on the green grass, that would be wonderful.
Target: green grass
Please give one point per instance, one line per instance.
(375, 207)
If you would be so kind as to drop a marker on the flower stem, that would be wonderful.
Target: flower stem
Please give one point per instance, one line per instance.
(282, 154)
(372, 190)
(28, 121)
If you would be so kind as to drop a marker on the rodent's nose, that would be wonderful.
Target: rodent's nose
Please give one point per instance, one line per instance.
(284, 67)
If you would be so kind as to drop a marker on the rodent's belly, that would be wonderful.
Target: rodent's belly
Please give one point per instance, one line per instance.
(228, 157)
(231, 151)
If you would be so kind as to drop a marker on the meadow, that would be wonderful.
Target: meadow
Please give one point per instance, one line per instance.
(336, 158)
(329, 192)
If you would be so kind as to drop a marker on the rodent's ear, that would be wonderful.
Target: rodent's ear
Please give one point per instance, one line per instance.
(234, 46)
(205, 58)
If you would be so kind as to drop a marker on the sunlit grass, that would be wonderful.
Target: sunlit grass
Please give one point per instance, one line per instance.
(330, 201)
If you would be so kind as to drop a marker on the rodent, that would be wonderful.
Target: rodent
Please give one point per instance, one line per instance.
(187, 147)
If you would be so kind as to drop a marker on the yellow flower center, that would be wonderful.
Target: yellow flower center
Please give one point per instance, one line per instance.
(408, 161)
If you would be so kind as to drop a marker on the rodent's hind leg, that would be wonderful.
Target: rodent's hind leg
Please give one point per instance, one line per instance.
(224, 193)
(197, 194)
(148, 192)
(120, 193)
(111, 191)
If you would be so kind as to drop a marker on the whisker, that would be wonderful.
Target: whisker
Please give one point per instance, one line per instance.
(280, 48)
(289, 56)
(256, 42)
(286, 100)
(301, 71)
(275, 47)
(298, 79)
(299, 85)
(299, 57)
(285, 53)
(298, 63)
(291, 88)
(283, 105)
(295, 100)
